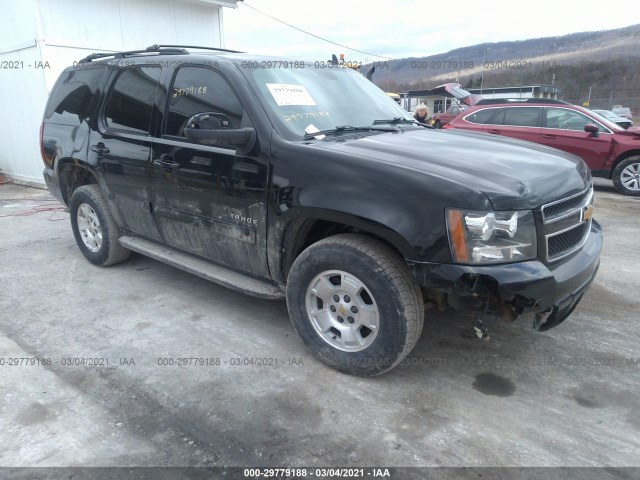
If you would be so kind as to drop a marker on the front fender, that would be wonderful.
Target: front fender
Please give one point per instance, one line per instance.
(290, 231)
(399, 203)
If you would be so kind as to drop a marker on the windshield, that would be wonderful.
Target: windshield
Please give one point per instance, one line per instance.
(606, 113)
(309, 99)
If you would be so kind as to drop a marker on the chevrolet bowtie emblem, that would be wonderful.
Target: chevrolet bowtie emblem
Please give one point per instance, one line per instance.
(587, 213)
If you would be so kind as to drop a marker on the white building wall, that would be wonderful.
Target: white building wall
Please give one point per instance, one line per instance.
(59, 32)
(23, 96)
(22, 92)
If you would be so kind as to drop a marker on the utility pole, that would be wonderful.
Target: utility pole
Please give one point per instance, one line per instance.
(484, 57)
(521, 72)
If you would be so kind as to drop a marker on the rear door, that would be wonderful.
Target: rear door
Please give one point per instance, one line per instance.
(563, 128)
(121, 146)
(209, 201)
(517, 122)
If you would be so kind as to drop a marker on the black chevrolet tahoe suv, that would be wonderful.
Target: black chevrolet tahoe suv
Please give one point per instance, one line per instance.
(303, 180)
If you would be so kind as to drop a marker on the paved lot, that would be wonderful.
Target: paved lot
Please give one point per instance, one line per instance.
(567, 397)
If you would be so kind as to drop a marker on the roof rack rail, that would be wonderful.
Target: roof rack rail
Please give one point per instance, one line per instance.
(490, 101)
(155, 47)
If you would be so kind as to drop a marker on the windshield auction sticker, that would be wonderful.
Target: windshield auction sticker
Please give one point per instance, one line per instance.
(287, 94)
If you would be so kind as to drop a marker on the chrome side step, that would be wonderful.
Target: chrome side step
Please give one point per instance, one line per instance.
(207, 270)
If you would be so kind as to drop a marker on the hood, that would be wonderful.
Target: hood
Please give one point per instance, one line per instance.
(513, 174)
(634, 131)
(614, 117)
(455, 90)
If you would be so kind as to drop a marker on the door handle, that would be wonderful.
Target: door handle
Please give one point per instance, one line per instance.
(100, 149)
(495, 132)
(549, 137)
(166, 163)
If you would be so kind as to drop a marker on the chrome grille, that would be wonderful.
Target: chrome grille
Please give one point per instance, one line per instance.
(566, 241)
(567, 223)
(566, 205)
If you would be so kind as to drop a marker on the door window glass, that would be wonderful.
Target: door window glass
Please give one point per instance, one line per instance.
(521, 116)
(130, 102)
(565, 119)
(201, 90)
(517, 117)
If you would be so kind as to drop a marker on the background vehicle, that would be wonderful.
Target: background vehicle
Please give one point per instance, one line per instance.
(396, 97)
(308, 182)
(443, 118)
(615, 118)
(622, 111)
(609, 150)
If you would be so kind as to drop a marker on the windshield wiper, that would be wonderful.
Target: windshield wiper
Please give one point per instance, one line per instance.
(346, 128)
(397, 120)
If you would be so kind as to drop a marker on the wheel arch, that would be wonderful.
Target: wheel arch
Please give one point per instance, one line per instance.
(621, 158)
(73, 174)
(304, 230)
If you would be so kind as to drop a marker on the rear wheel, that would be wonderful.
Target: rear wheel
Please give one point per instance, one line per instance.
(354, 303)
(93, 227)
(626, 176)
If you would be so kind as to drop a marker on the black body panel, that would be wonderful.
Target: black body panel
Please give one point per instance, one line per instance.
(240, 207)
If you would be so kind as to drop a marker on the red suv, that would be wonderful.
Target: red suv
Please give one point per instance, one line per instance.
(609, 150)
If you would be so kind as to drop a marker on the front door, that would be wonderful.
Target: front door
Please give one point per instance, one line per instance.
(209, 201)
(564, 129)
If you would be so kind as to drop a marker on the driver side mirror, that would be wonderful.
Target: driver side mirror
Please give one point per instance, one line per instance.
(214, 129)
(592, 129)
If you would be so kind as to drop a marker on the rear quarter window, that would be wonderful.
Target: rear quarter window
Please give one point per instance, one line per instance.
(481, 116)
(73, 95)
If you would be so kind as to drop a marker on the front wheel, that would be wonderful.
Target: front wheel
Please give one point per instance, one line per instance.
(626, 176)
(93, 227)
(354, 303)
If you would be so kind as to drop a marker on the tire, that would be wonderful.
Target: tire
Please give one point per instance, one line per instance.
(437, 124)
(93, 227)
(359, 272)
(626, 176)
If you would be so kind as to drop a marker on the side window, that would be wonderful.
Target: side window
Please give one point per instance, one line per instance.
(497, 119)
(201, 90)
(481, 116)
(566, 119)
(72, 95)
(521, 116)
(130, 103)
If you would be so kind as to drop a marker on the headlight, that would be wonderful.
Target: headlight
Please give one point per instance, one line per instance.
(491, 237)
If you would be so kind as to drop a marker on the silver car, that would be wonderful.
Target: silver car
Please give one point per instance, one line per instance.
(615, 118)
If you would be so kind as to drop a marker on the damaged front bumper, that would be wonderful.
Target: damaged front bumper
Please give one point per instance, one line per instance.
(551, 291)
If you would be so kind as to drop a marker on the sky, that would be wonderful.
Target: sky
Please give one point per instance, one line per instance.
(407, 28)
